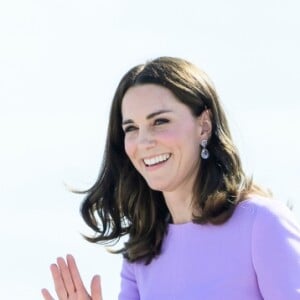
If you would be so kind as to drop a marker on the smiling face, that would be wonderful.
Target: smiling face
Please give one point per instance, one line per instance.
(162, 137)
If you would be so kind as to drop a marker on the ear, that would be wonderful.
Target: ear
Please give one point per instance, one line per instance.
(205, 125)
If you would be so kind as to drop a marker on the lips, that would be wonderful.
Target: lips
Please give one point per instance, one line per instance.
(156, 159)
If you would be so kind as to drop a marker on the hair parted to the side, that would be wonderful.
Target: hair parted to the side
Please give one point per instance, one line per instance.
(121, 202)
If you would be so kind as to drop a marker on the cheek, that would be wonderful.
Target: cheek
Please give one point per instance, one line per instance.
(129, 146)
(184, 138)
(172, 137)
(168, 134)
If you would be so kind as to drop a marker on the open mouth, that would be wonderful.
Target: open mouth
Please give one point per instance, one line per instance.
(149, 162)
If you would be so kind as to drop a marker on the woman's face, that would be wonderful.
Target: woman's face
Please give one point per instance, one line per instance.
(162, 137)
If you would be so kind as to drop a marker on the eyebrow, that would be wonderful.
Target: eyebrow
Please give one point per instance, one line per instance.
(150, 116)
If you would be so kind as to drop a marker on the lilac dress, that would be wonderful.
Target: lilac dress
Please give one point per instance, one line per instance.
(254, 255)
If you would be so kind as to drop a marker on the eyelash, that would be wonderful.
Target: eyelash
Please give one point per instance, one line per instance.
(161, 121)
(157, 122)
(129, 128)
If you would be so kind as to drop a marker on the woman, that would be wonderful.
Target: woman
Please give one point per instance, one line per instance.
(172, 181)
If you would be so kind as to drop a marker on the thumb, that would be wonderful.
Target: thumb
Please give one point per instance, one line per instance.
(96, 291)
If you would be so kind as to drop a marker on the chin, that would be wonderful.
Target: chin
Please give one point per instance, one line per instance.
(154, 186)
(157, 187)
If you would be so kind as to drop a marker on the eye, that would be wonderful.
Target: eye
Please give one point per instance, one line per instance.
(129, 128)
(160, 121)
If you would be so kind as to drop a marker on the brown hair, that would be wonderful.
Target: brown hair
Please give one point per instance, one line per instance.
(121, 202)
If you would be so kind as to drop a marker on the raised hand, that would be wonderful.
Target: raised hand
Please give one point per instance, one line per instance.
(68, 283)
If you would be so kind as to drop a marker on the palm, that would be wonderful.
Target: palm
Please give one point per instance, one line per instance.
(68, 283)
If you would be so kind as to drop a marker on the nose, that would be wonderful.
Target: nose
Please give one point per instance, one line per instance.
(146, 138)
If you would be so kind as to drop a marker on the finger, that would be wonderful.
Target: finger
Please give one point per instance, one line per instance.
(46, 294)
(79, 286)
(58, 282)
(96, 291)
(66, 276)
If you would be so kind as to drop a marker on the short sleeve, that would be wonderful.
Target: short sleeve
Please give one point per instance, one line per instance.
(129, 290)
(276, 252)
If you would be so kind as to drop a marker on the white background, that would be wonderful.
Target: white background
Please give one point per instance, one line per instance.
(60, 62)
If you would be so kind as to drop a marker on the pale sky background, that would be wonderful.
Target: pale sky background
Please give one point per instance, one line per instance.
(60, 62)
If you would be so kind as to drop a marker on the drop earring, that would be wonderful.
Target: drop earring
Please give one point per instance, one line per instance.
(204, 151)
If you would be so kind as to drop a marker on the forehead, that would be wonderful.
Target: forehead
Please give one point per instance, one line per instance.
(144, 99)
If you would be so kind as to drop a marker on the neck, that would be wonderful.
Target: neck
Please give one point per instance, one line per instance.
(180, 206)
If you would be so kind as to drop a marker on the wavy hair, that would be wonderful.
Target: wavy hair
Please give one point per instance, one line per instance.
(121, 203)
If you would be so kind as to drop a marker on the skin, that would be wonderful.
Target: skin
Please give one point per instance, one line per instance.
(68, 283)
(155, 123)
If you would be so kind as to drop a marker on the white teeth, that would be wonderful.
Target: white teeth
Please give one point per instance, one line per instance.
(157, 159)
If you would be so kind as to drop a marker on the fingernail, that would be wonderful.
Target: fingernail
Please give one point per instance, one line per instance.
(70, 257)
